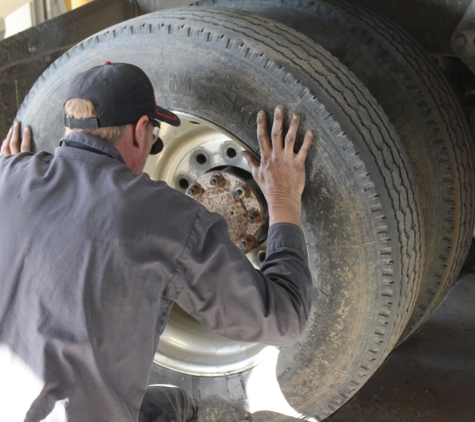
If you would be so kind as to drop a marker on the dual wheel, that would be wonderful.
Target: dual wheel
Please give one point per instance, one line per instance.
(388, 205)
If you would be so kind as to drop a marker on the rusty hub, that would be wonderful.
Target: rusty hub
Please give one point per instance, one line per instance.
(237, 201)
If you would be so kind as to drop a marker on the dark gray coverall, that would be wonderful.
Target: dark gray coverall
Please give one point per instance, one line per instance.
(92, 258)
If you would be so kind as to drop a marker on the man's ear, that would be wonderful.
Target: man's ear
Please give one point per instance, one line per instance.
(140, 138)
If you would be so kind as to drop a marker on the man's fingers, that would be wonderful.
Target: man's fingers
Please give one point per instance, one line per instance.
(16, 142)
(26, 141)
(251, 160)
(5, 150)
(305, 148)
(262, 135)
(292, 133)
(15, 139)
(277, 138)
(277, 127)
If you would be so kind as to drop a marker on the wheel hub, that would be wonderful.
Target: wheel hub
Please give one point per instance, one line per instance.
(237, 200)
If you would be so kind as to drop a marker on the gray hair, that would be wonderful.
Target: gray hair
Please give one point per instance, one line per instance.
(80, 108)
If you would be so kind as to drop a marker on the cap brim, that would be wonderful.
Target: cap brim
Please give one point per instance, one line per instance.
(166, 116)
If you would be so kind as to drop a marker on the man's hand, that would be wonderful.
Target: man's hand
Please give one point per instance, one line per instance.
(281, 172)
(13, 143)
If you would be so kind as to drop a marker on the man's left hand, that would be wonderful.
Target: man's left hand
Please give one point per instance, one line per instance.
(13, 143)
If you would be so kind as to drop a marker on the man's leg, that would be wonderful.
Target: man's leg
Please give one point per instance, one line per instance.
(167, 403)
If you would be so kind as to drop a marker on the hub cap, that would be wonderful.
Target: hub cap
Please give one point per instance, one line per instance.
(237, 200)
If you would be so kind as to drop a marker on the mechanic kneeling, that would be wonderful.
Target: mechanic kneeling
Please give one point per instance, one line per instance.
(94, 254)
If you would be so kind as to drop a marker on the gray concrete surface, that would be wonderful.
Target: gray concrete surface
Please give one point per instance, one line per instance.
(430, 377)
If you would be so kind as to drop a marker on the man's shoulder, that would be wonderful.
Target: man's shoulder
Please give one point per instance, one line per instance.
(164, 194)
(23, 158)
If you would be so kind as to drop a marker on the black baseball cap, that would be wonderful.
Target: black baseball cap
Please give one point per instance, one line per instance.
(121, 94)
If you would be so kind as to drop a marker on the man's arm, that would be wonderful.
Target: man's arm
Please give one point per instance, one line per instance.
(281, 172)
(217, 284)
(14, 143)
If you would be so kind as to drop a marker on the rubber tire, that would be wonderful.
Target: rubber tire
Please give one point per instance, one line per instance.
(420, 104)
(361, 215)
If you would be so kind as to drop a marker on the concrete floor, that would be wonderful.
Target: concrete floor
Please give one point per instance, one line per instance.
(430, 377)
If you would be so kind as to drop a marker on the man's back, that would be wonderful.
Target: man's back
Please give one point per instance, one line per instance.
(90, 278)
(94, 259)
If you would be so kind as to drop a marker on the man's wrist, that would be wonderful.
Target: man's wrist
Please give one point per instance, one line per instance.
(285, 213)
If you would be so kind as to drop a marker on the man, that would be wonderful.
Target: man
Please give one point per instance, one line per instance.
(94, 253)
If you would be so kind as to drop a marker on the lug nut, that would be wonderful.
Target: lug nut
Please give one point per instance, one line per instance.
(261, 256)
(240, 192)
(461, 40)
(247, 242)
(216, 180)
(194, 190)
(254, 216)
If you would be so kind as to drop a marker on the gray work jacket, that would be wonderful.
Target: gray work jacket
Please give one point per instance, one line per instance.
(92, 258)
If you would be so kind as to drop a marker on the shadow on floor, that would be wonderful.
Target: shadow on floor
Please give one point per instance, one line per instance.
(430, 377)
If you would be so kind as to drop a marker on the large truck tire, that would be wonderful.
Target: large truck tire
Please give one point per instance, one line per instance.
(420, 104)
(217, 68)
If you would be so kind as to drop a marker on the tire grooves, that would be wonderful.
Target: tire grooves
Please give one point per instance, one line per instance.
(458, 144)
